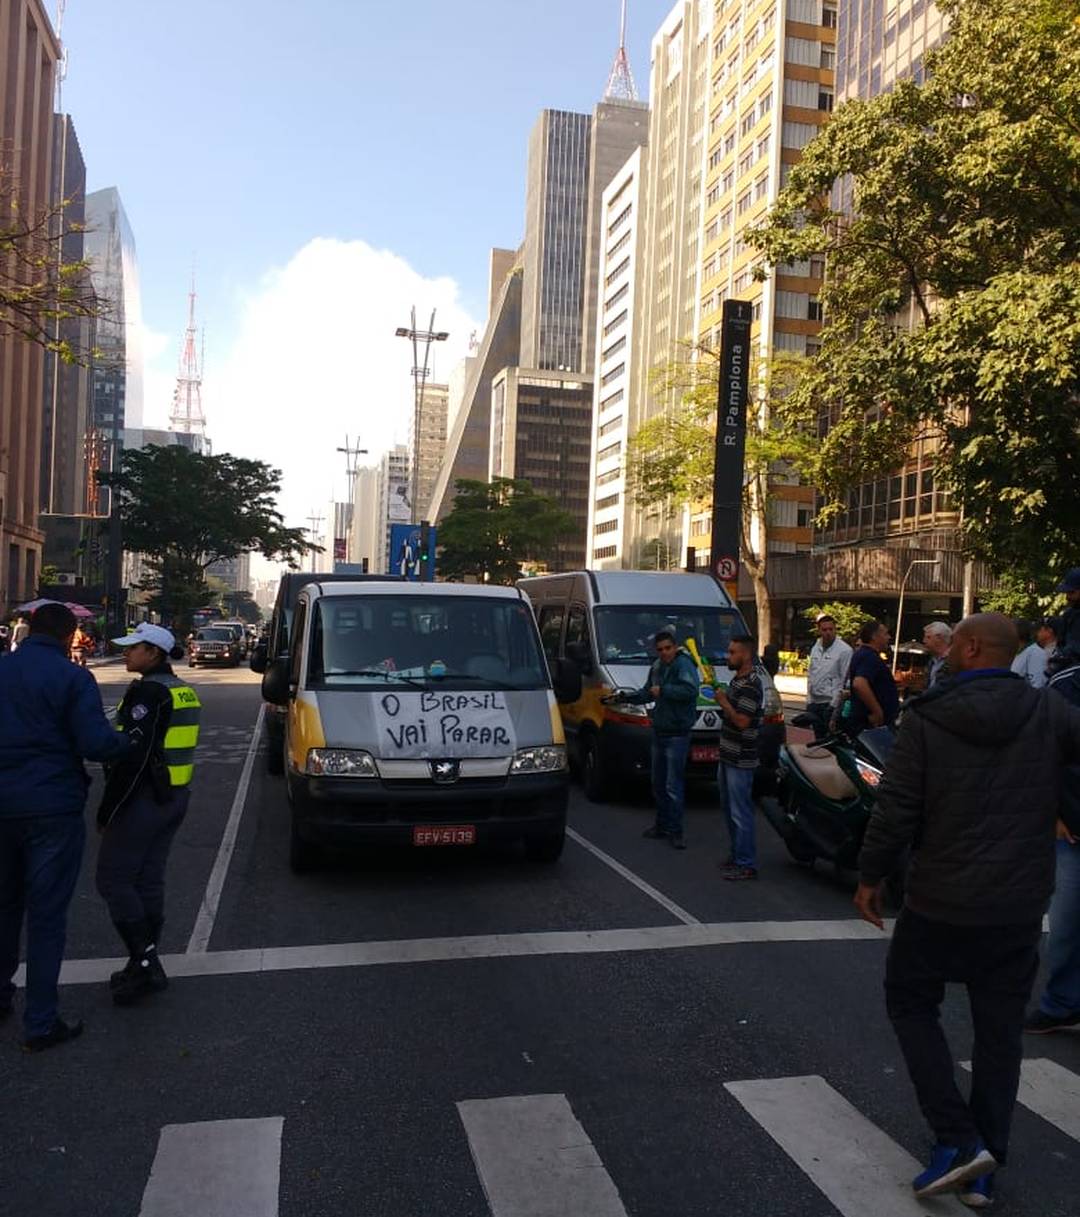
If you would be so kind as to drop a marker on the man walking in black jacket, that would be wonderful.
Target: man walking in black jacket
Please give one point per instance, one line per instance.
(971, 789)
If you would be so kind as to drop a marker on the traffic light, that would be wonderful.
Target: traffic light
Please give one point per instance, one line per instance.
(425, 547)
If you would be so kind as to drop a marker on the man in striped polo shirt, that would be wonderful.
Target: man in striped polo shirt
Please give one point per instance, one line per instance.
(741, 706)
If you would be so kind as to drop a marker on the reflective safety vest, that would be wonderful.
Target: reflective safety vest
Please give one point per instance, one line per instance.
(183, 731)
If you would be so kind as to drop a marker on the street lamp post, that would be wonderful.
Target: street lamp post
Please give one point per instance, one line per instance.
(900, 607)
(419, 338)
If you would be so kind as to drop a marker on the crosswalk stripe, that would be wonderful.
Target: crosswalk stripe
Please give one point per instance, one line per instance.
(535, 1160)
(218, 1168)
(1050, 1091)
(858, 1167)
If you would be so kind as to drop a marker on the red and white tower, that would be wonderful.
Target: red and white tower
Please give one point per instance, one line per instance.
(620, 85)
(187, 412)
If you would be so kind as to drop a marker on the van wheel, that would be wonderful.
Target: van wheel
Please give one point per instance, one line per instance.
(545, 847)
(593, 778)
(303, 856)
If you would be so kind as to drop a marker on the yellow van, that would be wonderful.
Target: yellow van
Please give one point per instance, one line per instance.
(420, 714)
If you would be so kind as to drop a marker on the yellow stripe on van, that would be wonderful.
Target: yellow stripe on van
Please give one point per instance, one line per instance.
(558, 736)
(305, 729)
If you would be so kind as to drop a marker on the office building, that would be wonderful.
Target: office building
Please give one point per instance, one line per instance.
(874, 49)
(428, 446)
(336, 537)
(394, 504)
(235, 572)
(367, 534)
(66, 412)
(28, 57)
(118, 372)
(541, 432)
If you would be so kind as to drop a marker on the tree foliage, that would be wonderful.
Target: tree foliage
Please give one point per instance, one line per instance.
(671, 457)
(849, 618)
(39, 289)
(182, 511)
(952, 302)
(495, 526)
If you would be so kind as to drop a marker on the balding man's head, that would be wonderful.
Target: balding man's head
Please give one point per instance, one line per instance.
(983, 640)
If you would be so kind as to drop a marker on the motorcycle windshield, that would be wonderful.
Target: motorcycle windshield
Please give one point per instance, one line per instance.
(878, 743)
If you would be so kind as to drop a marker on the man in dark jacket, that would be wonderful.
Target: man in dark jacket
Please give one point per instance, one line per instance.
(1059, 1004)
(672, 684)
(972, 789)
(50, 719)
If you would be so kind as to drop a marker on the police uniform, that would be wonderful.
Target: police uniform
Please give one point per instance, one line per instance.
(145, 800)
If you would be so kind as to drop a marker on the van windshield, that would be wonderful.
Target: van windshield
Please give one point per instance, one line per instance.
(428, 642)
(625, 632)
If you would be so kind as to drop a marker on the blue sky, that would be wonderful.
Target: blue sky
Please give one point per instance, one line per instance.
(241, 131)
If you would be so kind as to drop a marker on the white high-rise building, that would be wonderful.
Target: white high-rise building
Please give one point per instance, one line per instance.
(367, 534)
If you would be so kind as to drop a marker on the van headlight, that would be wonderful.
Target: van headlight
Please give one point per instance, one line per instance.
(548, 759)
(340, 763)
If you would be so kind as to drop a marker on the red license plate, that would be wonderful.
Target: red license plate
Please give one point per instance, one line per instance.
(444, 834)
(704, 752)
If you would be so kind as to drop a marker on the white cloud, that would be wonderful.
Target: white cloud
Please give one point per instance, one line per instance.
(314, 357)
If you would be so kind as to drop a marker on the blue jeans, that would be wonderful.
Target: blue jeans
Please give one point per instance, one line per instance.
(40, 858)
(1062, 995)
(736, 789)
(669, 781)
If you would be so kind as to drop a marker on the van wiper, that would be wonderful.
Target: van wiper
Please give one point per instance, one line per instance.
(493, 681)
(407, 680)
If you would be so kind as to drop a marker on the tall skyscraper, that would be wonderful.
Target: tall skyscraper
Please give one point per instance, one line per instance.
(875, 49)
(67, 385)
(28, 57)
(395, 472)
(427, 443)
(367, 533)
(118, 372)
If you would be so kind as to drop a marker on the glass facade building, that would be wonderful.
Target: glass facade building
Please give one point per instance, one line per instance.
(882, 41)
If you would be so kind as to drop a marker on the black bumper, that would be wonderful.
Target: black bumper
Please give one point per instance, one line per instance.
(370, 811)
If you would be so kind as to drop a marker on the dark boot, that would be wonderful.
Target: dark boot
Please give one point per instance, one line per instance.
(138, 978)
(123, 928)
(158, 979)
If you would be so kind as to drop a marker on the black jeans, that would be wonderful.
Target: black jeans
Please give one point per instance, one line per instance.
(133, 854)
(997, 964)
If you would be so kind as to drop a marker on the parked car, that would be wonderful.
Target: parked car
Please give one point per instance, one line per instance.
(214, 644)
(239, 631)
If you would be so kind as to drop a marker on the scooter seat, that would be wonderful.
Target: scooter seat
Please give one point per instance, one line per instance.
(822, 770)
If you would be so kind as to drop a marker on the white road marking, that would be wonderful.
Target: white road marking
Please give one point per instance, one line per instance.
(535, 1160)
(674, 909)
(199, 941)
(1050, 1091)
(858, 1167)
(219, 1168)
(482, 946)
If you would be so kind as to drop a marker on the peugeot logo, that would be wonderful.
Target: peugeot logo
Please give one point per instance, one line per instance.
(445, 772)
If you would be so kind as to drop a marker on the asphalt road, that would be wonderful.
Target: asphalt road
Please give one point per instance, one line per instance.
(472, 1035)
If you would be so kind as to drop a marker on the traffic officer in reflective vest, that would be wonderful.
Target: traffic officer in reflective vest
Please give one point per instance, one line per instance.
(146, 797)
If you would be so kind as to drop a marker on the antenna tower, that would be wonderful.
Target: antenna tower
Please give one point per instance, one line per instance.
(620, 85)
(187, 412)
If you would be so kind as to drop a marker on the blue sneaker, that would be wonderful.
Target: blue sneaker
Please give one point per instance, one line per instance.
(978, 1193)
(950, 1167)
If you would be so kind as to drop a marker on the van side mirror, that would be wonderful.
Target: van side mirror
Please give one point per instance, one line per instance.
(258, 658)
(566, 681)
(275, 683)
(580, 655)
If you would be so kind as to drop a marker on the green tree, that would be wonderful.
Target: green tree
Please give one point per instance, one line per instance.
(849, 618)
(182, 511)
(495, 526)
(671, 457)
(952, 297)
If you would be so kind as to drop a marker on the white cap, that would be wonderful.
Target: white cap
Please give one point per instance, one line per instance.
(156, 635)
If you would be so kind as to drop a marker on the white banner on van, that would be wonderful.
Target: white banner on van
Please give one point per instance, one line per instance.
(440, 726)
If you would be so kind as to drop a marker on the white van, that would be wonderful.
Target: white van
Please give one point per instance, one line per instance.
(420, 714)
(604, 622)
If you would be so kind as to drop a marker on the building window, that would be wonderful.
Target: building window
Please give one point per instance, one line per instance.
(614, 349)
(605, 551)
(761, 187)
(803, 51)
(828, 57)
(606, 526)
(725, 217)
(814, 311)
(763, 146)
(608, 427)
(764, 104)
(621, 218)
(798, 135)
(747, 124)
(613, 400)
(745, 161)
(610, 451)
(817, 267)
(744, 202)
(614, 374)
(614, 323)
(619, 270)
(792, 304)
(829, 17)
(610, 500)
(714, 195)
(825, 99)
(605, 479)
(620, 244)
(621, 294)
(729, 142)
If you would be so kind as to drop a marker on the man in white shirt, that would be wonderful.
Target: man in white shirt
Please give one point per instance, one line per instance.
(829, 662)
(1030, 662)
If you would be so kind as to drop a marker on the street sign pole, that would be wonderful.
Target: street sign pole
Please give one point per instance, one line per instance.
(729, 473)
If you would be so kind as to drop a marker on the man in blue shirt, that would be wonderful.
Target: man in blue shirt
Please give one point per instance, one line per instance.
(51, 718)
(874, 700)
